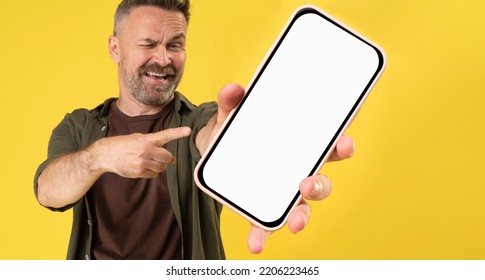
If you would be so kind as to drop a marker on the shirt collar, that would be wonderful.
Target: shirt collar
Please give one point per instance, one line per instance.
(179, 99)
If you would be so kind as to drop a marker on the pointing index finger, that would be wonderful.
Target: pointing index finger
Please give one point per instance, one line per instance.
(162, 137)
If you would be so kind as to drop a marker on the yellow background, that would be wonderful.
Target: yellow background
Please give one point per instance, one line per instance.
(414, 190)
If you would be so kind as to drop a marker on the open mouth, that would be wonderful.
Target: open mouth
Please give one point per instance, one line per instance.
(158, 76)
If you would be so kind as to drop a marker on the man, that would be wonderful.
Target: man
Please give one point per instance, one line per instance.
(126, 166)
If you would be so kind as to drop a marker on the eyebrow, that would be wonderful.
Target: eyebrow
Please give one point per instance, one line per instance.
(147, 40)
(152, 41)
(178, 36)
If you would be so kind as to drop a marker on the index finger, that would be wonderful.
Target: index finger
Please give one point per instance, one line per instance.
(164, 136)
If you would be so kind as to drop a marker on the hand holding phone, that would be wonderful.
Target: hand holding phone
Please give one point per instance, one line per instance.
(305, 94)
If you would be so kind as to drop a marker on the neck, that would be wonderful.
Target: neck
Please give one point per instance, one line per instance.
(132, 107)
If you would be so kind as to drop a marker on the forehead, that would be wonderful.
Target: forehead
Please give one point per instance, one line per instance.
(153, 21)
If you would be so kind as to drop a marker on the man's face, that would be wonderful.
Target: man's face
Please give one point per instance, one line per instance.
(151, 45)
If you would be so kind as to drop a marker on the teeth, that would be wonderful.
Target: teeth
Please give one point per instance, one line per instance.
(157, 75)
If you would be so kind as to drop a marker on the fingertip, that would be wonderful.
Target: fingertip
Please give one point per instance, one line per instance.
(299, 217)
(230, 95)
(232, 87)
(307, 186)
(316, 187)
(257, 239)
(256, 247)
(297, 224)
(185, 130)
(173, 160)
(346, 147)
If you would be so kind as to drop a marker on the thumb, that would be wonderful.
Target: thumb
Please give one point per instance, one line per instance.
(229, 98)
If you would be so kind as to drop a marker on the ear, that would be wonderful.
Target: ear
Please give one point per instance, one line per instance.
(114, 48)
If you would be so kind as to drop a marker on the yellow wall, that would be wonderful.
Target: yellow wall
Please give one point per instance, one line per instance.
(414, 189)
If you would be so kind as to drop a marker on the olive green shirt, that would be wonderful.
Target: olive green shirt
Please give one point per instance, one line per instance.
(197, 214)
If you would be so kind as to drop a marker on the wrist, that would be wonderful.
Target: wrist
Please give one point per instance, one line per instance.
(93, 156)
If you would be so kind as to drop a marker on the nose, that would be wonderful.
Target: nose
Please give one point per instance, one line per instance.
(162, 56)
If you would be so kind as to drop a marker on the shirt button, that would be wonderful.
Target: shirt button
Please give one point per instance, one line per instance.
(87, 257)
(103, 128)
(90, 223)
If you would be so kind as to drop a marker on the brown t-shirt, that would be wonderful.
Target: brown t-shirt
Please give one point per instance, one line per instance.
(133, 218)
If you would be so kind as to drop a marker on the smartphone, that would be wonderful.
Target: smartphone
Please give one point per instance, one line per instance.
(301, 99)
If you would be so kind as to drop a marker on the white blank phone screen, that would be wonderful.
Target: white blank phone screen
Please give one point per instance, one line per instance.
(290, 116)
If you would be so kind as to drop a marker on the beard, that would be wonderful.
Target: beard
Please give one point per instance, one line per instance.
(152, 95)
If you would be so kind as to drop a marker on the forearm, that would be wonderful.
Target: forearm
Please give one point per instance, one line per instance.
(68, 178)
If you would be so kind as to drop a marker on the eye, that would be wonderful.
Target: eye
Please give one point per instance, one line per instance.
(148, 45)
(176, 46)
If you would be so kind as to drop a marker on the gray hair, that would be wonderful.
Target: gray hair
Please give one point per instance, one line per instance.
(126, 6)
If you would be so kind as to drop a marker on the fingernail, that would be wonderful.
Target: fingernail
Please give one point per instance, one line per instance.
(317, 188)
